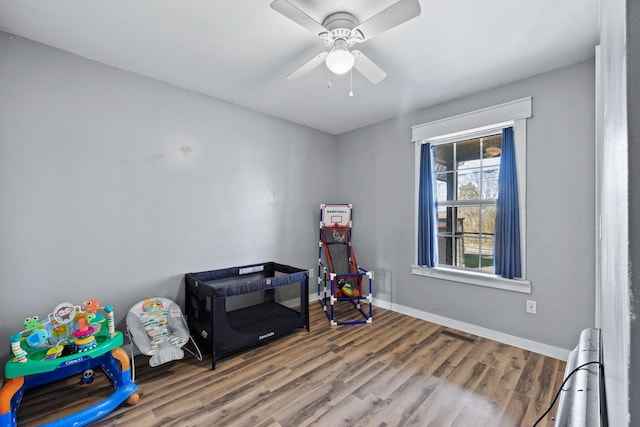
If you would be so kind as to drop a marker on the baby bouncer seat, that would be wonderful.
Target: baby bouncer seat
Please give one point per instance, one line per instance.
(157, 327)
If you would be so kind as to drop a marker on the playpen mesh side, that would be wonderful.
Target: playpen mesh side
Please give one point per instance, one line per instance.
(198, 307)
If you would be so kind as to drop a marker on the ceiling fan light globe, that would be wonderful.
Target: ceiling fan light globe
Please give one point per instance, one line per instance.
(339, 61)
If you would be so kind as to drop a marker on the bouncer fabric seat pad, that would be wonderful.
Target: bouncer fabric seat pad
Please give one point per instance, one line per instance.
(157, 328)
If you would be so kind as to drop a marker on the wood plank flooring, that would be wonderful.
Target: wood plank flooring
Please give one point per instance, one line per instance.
(397, 371)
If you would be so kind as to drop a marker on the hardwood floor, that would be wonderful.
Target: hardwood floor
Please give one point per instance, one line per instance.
(397, 371)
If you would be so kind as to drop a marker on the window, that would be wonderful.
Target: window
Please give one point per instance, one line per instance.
(466, 154)
(466, 192)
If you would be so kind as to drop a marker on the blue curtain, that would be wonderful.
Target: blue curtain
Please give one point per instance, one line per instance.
(506, 257)
(427, 220)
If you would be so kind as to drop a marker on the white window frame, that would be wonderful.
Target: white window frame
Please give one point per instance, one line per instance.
(467, 126)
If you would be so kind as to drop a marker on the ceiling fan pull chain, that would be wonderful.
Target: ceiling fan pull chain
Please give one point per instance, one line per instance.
(328, 78)
(351, 82)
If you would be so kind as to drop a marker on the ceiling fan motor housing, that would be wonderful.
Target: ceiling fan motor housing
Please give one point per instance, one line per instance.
(341, 25)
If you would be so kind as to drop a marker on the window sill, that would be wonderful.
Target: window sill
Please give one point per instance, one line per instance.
(473, 278)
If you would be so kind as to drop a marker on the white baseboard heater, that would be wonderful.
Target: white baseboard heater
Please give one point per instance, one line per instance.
(582, 400)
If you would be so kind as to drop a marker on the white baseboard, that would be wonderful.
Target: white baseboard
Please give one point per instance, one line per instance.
(530, 345)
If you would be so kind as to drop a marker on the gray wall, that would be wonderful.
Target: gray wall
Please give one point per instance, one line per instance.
(376, 173)
(112, 186)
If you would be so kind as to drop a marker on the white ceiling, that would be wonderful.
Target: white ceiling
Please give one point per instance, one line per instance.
(241, 50)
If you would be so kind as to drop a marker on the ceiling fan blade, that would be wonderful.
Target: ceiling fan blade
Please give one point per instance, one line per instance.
(368, 68)
(396, 14)
(310, 65)
(298, 16)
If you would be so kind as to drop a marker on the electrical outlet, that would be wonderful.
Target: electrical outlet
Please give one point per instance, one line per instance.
(531, 306)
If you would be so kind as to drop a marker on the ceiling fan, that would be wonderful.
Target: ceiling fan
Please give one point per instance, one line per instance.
(340, 31)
